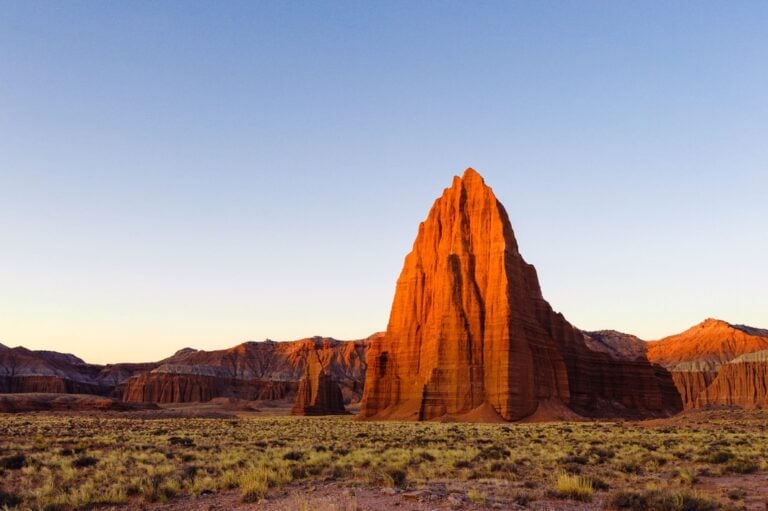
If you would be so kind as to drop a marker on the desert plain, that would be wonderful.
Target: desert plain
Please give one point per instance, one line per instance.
(216, 458)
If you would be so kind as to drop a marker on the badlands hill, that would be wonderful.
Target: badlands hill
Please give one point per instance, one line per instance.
(265, 370)
(716, 363)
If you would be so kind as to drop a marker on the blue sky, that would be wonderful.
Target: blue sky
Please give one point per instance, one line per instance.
(203, 173)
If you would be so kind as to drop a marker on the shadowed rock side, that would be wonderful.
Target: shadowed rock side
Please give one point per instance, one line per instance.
(26, 371)
(618, 345)
(690, 384)
(318, 393)
(162, 387)
(702, 358)
(254, 370)
(471, 335)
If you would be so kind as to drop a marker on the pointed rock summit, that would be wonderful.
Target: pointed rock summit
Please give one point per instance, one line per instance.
(318, 393)
(709, 344)
(471, 336)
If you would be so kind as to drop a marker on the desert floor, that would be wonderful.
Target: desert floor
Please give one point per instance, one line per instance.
(253, 458)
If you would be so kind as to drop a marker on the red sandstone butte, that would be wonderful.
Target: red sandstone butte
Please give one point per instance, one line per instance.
(318, 393)
(471, 337)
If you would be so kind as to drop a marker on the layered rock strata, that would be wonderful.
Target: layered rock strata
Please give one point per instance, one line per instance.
(470, 333)
(254, 371)
(716, 363)
(318, 393)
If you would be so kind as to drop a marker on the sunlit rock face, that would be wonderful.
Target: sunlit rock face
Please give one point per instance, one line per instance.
(742, 382)
(707, 345)
(470, 335)
(716, 363)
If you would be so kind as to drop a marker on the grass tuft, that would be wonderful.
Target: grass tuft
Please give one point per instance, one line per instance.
(574, 487)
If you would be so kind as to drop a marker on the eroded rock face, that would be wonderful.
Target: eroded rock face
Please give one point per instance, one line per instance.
(707, 345)
(742, 382)
(318, 392)
(711, 363)
(690, 384)
(469, 330)
(254, 370)
(49, 384)
(167, 387)
(24, 371)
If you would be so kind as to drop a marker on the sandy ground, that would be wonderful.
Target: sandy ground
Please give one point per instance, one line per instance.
(333, 496)
(341, 497)
(747, 492)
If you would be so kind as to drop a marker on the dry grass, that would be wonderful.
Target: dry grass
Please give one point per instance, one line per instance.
(575, 487)
(61, 463)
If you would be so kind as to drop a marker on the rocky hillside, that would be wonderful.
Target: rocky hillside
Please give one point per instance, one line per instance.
(23, 370)
(618, 345)
(716, 363)
(252, 370)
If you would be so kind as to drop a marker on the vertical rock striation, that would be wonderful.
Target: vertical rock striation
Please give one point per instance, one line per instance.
(319, 393)
(471, 336)
(742, 382)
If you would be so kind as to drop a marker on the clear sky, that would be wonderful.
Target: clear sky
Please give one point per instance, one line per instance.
(204, 173)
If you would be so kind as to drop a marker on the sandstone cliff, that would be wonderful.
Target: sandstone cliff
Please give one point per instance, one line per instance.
(742, 382)
(470, 334)
(691, 383)
(318, 392)
(168, 387)
(254, 370)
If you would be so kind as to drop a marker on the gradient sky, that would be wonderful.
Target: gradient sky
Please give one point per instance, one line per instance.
(203, 173)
